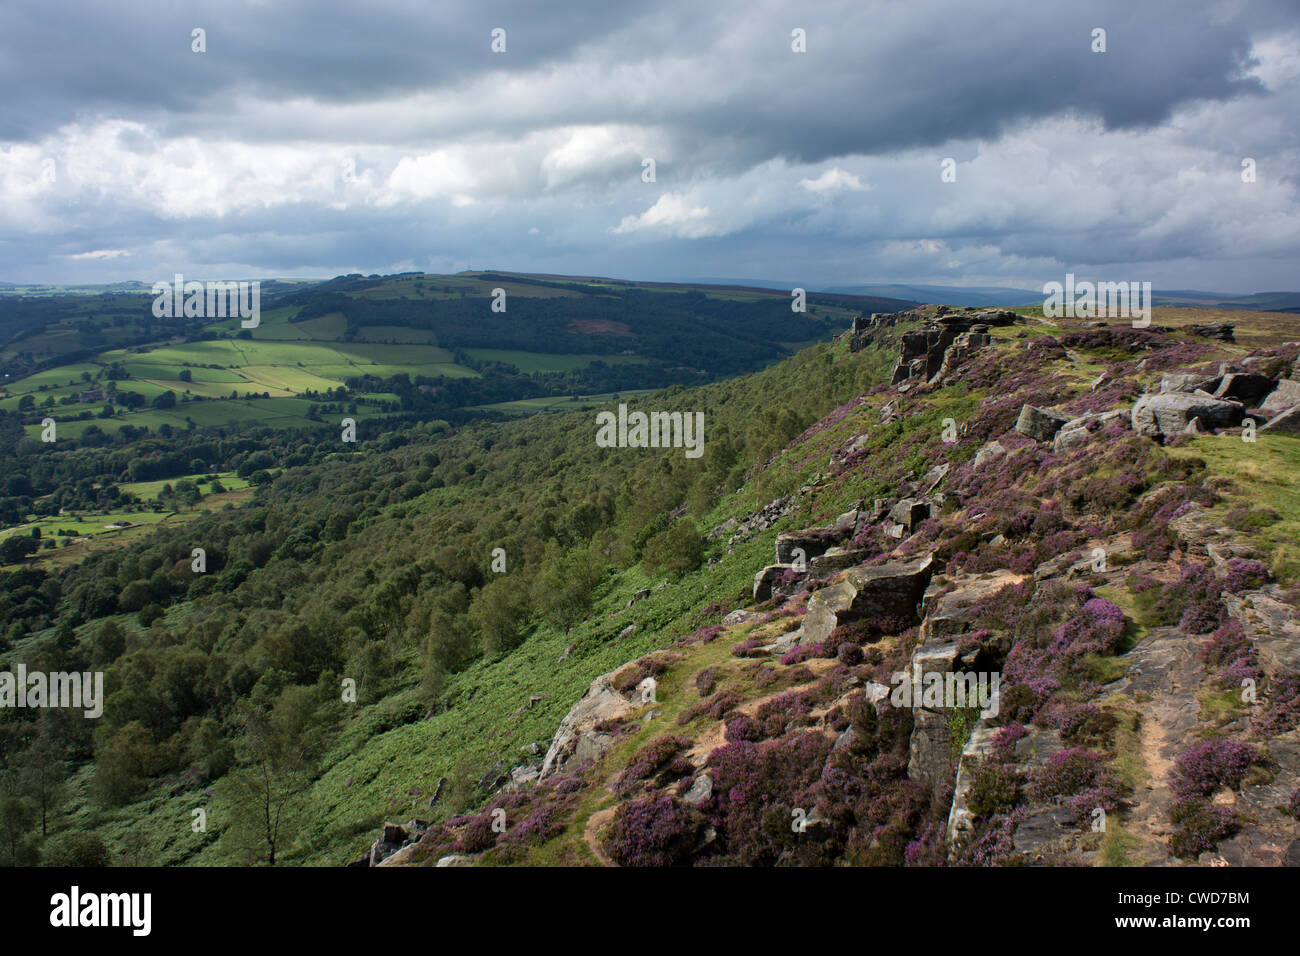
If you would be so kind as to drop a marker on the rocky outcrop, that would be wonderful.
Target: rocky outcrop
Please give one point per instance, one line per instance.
(988, 453)
(948, 612)
(1288, 423)
(1283, 398)
(886, 591)
(394, 844)
(909, 512)
(931, 353)
(579, 737)
(1222, 331)
(810, 541)
(1041, 424)
(1081, 430)
(963, 347)
(1271, 626)
(760, 520)
(838, 559)
(1168, 414)
(960, 820)
(1189, 382)
(769, 581)
(1249, 388)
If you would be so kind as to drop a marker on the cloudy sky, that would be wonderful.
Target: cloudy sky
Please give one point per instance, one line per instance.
(312, 139)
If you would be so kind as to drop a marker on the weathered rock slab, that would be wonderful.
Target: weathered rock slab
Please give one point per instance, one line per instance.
(888, 590)
(1168, 414)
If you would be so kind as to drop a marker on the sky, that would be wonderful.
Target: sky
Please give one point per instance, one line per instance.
(794, 141)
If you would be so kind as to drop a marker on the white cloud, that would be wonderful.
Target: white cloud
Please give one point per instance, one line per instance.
(674, 214)
(832, 181)
(99, 254)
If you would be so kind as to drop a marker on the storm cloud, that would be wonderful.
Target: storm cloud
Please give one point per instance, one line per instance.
(313, 139)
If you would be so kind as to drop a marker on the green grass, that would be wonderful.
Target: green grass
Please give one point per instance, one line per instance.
(148, 490)
(548, 361)
(1263, 474)
(562, 403)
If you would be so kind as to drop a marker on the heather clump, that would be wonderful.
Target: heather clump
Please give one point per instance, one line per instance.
(703, 635)
(757, 788)
(1082, 776)
(1098, 628)
(930, 848)
(715, 706)
(804, 652)
(1243, 574)
(1283, 710)
(1230, 656)
(1212, 764)
(658, 761)
(1004, 741)
(995, 788)
(992, 842)
(1192, 602)
(654, 831)
(1247, 519)
(1084, 724)
(706, 680)
(1058, 631)
(743, 727)
(1152, 537)
(784, 711)
(1200, 827)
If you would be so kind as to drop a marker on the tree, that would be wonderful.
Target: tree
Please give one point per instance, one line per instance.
(123, 762)
(17, 817)
(79, 849)
(43, 777)
(678, 550)
(500, 611)
(265, 795)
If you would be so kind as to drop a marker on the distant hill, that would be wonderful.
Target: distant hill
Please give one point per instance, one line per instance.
(421, 346)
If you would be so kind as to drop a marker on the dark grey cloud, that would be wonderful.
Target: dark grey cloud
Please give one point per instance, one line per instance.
(158, 157)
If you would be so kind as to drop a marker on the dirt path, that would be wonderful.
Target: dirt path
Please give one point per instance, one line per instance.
(1164, 675)
(591, 834)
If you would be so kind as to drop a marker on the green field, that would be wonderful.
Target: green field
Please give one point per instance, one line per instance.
(549, 361)
(562, 403)
(137, 520)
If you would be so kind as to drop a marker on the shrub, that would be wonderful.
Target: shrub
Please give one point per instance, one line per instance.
(929, 848)
(1200, 827)
(743, 727)
(995, 789)
(1231, 656)
(1243, 574)
(706, 680)
(655, 757)
(1004, 741)
(1212, 764)
(1068, 773)
(478, 834)
(78, 849)
(656, 831)
(1283, 711)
